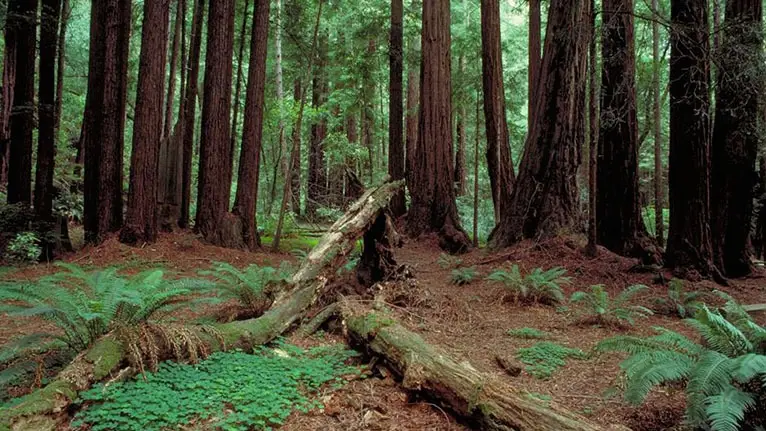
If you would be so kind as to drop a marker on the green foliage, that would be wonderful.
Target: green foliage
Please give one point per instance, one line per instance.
(724, 378)
(250, 286)
(447, 261)
(257, 391)
(604, 310)
(87, 305)
(679, 302)
(539, 286)
(545, 358)
(529, 334)
(464, 276)
(24, 247)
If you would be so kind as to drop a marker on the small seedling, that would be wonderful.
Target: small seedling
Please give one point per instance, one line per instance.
(602, 309)
(464, 276)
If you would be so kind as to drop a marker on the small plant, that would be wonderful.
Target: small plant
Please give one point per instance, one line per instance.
(464, 276)
(24, 247)
(724, 378)
(539, 286)
(256, 391)
(679, 302)
(607, 311)
(545, 358)
(529, 334)
(250, 286)
(87, 305)
(446, 261)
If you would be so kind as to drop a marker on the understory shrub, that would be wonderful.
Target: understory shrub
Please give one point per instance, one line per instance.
(724, 377)
(24, 248)
(679, 301)
(232, 391)
(600, 308)
(538, 286)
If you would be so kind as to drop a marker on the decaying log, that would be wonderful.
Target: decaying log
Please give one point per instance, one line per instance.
(46, 409)
(471, 395)
(377, 262)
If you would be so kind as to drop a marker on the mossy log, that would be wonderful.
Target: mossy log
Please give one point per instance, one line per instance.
(46, 408)
(478, 398)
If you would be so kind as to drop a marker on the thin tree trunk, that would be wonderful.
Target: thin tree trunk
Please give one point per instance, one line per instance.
(689, 236)
(286, 196)
(295, 154)
(249, 164)
(316, 190)
(368, 117)
(499, 160)
(21, 29)
(215, 147)
(141, 220)
(283, 149)
(476, 172)
(462, 119)
(174, 55)
(9, 83)
(535, 56)
(190, 111)
(396, 104)
(593, 117)
(238, 91)
(545, 200)
(66, 11)
(659, 178)
(736, 135)
(433, 207)
(413, 102)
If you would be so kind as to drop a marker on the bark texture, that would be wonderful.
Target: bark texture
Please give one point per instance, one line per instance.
(535, 56)
(433, 206)
(499, 161)
(317, 176)
(141, 220)
(396, 105)
(689, 237)
(545, 199)
(736, 136)
(413, 106)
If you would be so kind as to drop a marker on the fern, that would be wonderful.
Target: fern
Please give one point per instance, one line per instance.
(604, 310)
(723, 378)
(464, 276)
(679, 302)
(446, 261)
(539, 286)
(250, 286)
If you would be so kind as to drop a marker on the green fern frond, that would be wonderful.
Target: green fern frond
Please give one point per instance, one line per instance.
(726, 409)
(748, 367)
(719, 333)
(711, 374)
(655, 369)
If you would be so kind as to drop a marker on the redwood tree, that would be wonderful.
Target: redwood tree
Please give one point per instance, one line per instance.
(249, 163)
(103, 130)
(499, 161)
(317, 178)
(620, 227)
(545, 199)
(433, 206)
(141, 219)
(736, 134)
(215, 159)
(21, 33)
(534, 59)
(689, 237)
(395, 107)
(413, 102)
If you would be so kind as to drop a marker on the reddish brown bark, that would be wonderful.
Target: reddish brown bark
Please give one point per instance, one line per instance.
(141, 220)
(689, 237)
(535, 56)
(433, 206)
(239, 78)
(317, 178)
(499, 161)
(190, 110)
(736, 135)
(66, 10)
(249, 163)
(396, 104)
(215, 158)
(175, 50)
(21, 30)
(545, 199)
(9, 82)
(413, 102)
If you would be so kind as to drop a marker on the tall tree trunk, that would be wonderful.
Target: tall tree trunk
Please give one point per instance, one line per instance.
(736, 135)
(66, 11)
(350, 194)
(618, 211)
(249, 164)
(295, 157)
(499, 161)
(284, 151)
(317, 178)
(659, 178)
(477, 134)
(689, 237)
(396, 104)
(545, 199)
(175, 48)
(535, 56)
(433, 196)
(239, 78)
(9, 83)
(368, 116)
(462, 119)
(591, 248)
(21, 30)
(215, 148)
(141, 220)
(103, 132)
(46, 145)
(190, 110)
(413, 102)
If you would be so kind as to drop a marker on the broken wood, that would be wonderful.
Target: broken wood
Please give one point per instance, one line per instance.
(471, 395)
(46, 408)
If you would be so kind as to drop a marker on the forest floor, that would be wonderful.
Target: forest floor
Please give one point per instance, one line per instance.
(471, 322)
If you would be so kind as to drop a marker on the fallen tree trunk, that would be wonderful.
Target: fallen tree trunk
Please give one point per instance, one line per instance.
(476, 397)
(46, 408)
